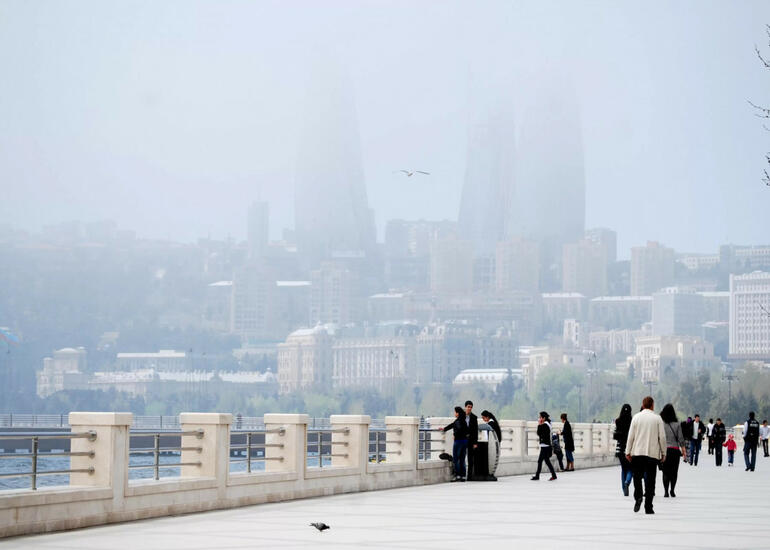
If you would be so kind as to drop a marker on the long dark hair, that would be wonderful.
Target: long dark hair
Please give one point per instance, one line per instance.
(668, 414)
(460, 412)
(496, 426)
(623, 421)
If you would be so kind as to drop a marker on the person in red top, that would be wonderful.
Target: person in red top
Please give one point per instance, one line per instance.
(731, 446)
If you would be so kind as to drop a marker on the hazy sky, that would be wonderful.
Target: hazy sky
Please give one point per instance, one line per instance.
(170, 117)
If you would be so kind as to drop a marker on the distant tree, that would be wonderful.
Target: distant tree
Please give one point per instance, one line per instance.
(760, 110)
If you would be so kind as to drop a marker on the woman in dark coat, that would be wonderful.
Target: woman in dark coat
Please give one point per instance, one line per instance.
(490, 419)
(674, 447)
(544, 441)
(569, 443)
(622, 424)
(460, 431)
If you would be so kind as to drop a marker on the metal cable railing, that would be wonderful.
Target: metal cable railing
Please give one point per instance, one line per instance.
(246, 443)
(321, 441)
(427, 445)
(157, 450)
(35, 455)
(378, 444)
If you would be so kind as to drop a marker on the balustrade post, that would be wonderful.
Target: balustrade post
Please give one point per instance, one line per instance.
(290, 431)
(214, 444)
(514, 442)
(401, 447)
(109, 447)
(353, 443)
(449, 438)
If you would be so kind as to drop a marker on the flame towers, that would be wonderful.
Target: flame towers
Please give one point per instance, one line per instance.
(331, 211)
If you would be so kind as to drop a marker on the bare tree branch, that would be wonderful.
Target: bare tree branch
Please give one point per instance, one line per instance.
(764, 112)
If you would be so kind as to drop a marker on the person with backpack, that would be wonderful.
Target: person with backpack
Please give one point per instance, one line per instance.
(750, 441)
(557, 449)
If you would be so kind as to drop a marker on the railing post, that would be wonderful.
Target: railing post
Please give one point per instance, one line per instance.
(109, 448)
(214, 456)
(289, 430)
(448, 436)
(401, 439)
(514, 442)
(587, 444)
(353, 442)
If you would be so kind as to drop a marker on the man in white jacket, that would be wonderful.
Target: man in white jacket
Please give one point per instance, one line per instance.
(645, 448)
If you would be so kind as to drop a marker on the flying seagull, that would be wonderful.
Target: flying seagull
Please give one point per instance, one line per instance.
(410, 173)
(320, 526)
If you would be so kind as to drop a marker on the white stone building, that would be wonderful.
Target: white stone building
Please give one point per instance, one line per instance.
(63, 371)
(750, 316)
(657, 356)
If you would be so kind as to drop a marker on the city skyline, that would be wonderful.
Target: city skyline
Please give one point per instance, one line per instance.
(212, 119)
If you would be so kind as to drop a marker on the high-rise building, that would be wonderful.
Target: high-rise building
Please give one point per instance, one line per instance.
(258, 229)
(549, 203)
(750, 316)
(677, 311)
(253, 303)
(517, 265)
(335, 295)
(485, 206)
(584, 268)
(608, 239)
(652, 268)
(407, 251)
(451, 266)
(331, 210)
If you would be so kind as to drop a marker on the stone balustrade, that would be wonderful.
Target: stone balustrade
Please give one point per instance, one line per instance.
(206, 482)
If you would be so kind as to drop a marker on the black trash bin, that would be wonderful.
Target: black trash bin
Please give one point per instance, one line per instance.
(486, 455)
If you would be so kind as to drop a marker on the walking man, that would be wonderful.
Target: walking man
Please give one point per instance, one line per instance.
(698, 429)
(750, 440)
(720, 434)
(472, 421)
(645, 448)
(764, 433)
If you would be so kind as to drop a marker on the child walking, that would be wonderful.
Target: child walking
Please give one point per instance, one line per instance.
(731, 447)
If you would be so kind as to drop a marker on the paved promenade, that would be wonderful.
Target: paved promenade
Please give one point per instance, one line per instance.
(715, 508)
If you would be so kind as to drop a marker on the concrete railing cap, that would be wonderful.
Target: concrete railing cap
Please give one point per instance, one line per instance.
(284, 418)
(101, 418)
(350, 419)
(411, 420)
(205, 418)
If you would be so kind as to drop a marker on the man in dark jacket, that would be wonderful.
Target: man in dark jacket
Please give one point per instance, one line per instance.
(472, 421)
(696, 438)
(720, 434)
(569, 443)
(750, 441)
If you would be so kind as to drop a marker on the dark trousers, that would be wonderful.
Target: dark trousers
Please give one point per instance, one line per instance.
(545, 456)
(626, 474)
(711, 444)
(718, 452)
(471, 458)
(644, 468)
(764, 447)
(694, 451)
(671, 468)
(559, 457)
(750, 455)
(458, 456)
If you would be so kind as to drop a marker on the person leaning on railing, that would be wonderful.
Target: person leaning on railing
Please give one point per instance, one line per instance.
(460, 431)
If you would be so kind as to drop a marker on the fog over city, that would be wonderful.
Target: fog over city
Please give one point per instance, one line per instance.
(384, 207)
(167, 117)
